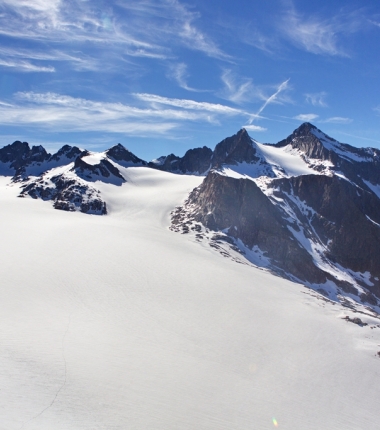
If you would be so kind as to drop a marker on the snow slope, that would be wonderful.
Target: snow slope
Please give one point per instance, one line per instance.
(114, 323)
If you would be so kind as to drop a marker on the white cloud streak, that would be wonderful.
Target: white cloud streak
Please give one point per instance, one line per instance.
(272, 99)
(14, 55)
(65, 113)
(151, 29)
(338, 120)
(306, 117)
(179, 73)
(377, 24)
(25, 66)
(318, 36)
(71, 21)
(252, 127)
(317, 99)
(171, 20)
(239, 90)
(192, 105)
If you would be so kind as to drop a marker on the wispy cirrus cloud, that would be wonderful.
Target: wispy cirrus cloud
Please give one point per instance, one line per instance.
(242, 90)
(215, 108)
(311, 34)
(306, 117)
(179, 73)
(377, 24)
(150, 29)
(320, 35)
(316, 99)
(172, 21)
(252, 127)
(338, 120)
(239, 89)
(62, 113)
(68, 32)
(82, 22)
(259, 40)
(377, 109)
(21, 58)
(25, 66)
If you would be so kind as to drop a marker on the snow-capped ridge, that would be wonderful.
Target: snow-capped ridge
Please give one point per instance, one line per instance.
(95, 167)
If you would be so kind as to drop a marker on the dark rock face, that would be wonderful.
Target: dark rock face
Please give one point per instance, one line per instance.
(67, 152)
(303, 139)
(355, 163)
(165, 163)
(356, 321)
(74, 192)
(195, 161)
(35, 168)
(342, 212)
(23, 161)
(124, 157)
(328, 212)
(239, 206)
(67, 194)
(322, 229)
(235, 149)
(340, 216)
(92, 172)
(19, 155)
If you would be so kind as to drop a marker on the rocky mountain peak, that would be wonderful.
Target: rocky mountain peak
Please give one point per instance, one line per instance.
(196, 161)
(123, 156)
(304, 129)
(238, 148)
(103, 170)
(67, 151)
(18, 155)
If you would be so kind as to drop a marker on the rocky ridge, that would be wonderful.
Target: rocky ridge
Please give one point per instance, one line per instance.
(314, 219)
(306, 208)
(65, 178)
(195, 162)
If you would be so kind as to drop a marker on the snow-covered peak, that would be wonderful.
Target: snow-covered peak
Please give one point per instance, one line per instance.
(272, 161)
(345, 150)
(94, 158)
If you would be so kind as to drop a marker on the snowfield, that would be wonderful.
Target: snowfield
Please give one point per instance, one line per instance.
(115, 322)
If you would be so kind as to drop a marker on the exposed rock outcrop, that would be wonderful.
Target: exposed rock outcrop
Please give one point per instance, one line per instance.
(320, 225)
(104, 170)
(235, 149)
(124, 157)
(195, 161)
(67, 193)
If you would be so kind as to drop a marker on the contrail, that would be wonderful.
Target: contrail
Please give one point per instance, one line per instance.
(273, 96)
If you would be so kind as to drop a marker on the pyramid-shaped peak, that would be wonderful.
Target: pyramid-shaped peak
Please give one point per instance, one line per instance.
(119, 146)
(123, 156)
(235, 149)
(242, 132)
(305, 128)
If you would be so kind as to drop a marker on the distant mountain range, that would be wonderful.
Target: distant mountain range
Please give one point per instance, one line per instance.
(306, 208)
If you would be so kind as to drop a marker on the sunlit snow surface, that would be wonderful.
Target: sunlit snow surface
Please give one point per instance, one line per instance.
(115, 322)
(287, 157)
(279, 162)
(94, 158)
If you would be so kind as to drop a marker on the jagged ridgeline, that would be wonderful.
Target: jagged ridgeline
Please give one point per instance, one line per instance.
(306, 208)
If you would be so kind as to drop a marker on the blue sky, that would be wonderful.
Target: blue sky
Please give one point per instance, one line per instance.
(163, 76)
